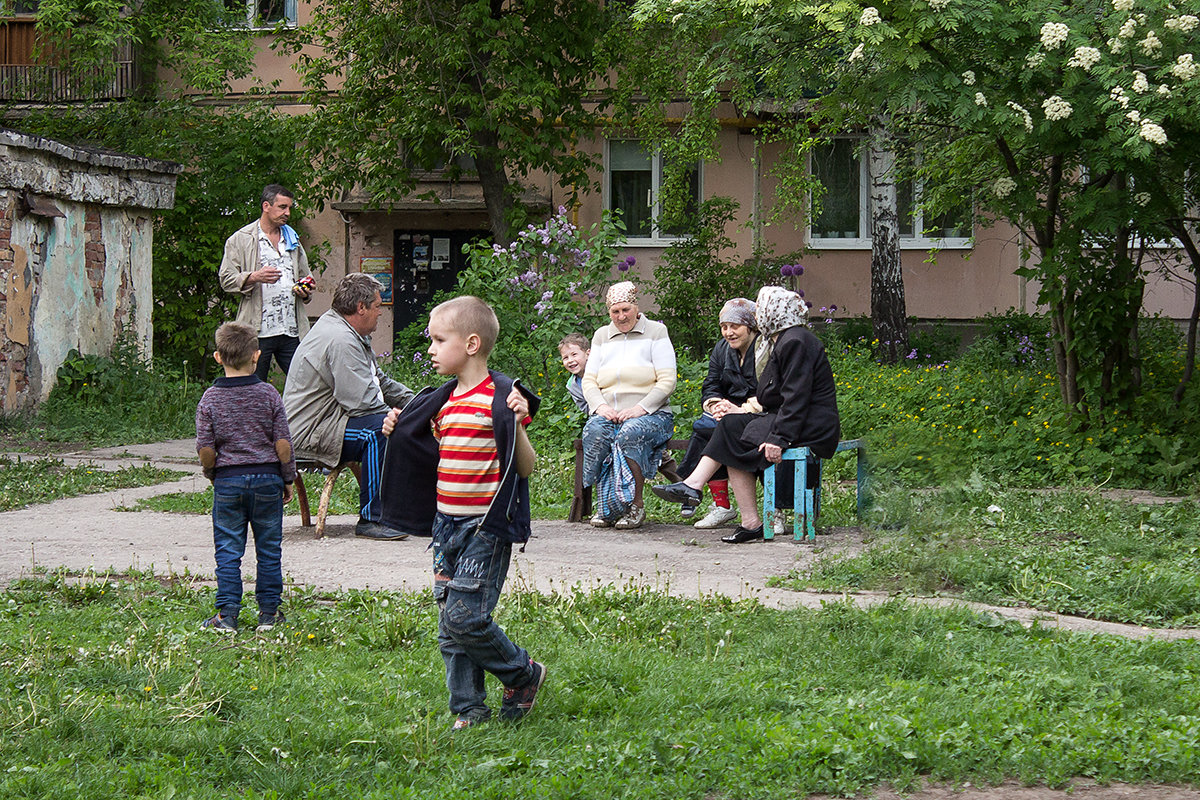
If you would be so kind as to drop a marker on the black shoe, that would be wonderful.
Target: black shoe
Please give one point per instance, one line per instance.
(678, 492)
(375, 530)
(743, 535)
(519, 702)
(267, 620)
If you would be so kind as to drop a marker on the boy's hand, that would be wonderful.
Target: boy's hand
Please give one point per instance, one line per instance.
(389, 422)
(288, 492)
(517, 402)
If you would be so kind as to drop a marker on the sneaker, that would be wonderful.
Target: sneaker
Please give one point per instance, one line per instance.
(221, 623)
(717, 518)
(267, 620)
(678, 493)
(778, 523)
(687, 512)
(598, 521)
(366, 529)
(633, 519)
(471, 719)
(519, 702)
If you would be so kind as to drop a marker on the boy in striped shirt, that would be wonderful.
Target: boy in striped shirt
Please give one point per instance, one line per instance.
(484, 458)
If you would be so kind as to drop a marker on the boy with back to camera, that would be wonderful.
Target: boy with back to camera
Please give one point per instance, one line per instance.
(245, 448)
(458, 462)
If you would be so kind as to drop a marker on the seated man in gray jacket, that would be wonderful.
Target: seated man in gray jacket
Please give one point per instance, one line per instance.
(336, 396)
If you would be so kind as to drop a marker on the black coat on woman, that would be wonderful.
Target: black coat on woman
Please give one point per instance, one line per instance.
(799, 399)
(730, 377)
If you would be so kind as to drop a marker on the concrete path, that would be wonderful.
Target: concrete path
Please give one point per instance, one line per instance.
(93, 532)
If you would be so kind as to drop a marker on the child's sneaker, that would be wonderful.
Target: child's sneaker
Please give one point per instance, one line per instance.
(268, 620)
(221, 623)
(471, 719)
(519, 702)
(717, 518)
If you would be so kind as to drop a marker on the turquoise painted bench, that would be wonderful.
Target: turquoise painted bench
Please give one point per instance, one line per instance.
(807, 501)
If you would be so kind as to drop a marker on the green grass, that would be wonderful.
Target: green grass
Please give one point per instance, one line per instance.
(1067, 551)
(109, 689)
(28, 482)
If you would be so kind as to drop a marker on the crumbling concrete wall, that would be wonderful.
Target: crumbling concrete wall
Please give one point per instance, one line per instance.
(76, 238)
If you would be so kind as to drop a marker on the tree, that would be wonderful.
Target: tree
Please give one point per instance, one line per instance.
(501, 89)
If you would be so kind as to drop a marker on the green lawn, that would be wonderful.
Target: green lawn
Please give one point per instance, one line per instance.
(26, 482)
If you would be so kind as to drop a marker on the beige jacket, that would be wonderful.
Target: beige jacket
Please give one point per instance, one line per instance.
(240, 259)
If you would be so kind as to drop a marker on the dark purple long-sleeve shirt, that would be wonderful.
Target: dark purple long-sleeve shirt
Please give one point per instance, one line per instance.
(241, 419)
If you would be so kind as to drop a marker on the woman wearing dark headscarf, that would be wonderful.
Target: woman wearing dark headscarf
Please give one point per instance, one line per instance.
(797, 394)
(730, 382)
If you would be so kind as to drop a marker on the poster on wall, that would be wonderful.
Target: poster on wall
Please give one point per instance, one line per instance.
(441, 252)
(379, 268)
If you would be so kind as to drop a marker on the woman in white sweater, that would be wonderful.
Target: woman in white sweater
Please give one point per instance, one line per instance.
(628, 383)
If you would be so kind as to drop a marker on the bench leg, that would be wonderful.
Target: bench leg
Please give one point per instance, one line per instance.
(581, 499)
(768, 501)
(323, 508)
(302, 501)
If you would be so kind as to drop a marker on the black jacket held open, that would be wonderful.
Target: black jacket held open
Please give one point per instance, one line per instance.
(409, 482)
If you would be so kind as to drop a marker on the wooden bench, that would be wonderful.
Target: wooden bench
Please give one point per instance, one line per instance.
(326, 491)
(581, 502)
(807, 501)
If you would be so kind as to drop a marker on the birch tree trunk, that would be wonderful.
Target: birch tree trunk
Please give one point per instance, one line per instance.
(889, 319)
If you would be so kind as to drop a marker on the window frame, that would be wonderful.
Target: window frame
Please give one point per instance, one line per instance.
(657, 237)
(914, 241)
(251, 20)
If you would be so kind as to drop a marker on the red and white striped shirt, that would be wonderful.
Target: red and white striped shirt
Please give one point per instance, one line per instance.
(468, 474)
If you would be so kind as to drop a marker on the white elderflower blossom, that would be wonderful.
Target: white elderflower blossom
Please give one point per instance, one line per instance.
(980, 100)
(1133, 116)
(1085, 58)
(1115, 46)
(1184, 67)
(1150, 45)
(1185, 23)
(870, 16)
(1034, 60)
(1140, 84)
(1128, 29)
(1054, 34)
(968, 78)
(1123, 6)
(1117, 95)
(938, 5)
(1142, 199)
(858, 53)
(1026, 117)
(1152, 132)
(1003, 187)
(1056, 108)
(1164, 90)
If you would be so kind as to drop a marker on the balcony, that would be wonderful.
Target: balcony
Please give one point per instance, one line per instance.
(23, 80)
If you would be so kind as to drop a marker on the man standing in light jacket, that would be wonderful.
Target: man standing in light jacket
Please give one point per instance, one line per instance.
(266, 265)
(336, 396)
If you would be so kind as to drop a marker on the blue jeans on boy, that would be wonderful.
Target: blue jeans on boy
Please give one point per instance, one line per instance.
(364, 442)
(254, 501)
(469, 568)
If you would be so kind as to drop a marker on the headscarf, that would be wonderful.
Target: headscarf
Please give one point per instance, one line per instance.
(777, 309)
(623, 292)
(739, 311)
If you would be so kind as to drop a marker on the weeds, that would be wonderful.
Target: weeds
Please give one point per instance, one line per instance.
(27, 482)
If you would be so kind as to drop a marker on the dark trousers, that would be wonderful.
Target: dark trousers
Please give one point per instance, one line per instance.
(282, 347)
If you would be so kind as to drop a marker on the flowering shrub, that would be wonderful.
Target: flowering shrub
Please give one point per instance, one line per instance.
(543, 286)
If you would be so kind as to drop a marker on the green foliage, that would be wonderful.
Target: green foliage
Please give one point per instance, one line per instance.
(119, 399)
(110, 687)
(229, 155)
(500, 90)
(693, 280)
(41, 480)
(1070, 552)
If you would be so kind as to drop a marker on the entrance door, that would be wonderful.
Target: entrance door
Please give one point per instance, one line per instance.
(427, 262)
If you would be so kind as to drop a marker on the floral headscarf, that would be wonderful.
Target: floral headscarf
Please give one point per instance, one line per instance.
(739, 311)
(623, 292)
(777, 309)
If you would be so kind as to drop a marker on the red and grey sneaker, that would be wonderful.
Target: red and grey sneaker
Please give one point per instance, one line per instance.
(519, 702)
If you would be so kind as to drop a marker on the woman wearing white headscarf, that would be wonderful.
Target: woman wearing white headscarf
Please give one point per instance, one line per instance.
(798, 397)
(730, 382)
(627, 383)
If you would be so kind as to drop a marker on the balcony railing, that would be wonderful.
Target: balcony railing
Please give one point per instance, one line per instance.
(23, 79)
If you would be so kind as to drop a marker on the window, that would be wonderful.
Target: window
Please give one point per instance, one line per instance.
(845, 217)
(264, 13)
(634, 187)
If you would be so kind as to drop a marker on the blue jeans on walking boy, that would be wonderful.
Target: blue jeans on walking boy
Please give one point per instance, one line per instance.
(469, 568)
(254, 501)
